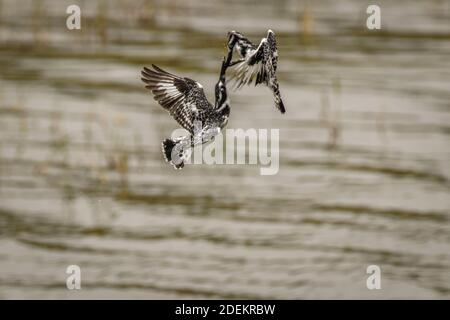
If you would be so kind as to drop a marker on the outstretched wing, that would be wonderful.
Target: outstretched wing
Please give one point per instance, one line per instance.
(183, 98)
(260, 63)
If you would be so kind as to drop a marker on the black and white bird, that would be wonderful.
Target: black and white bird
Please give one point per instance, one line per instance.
(186, 102)
(256, 61)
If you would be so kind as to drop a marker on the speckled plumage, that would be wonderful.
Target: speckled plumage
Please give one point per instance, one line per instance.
(257, 63)
(186, 102)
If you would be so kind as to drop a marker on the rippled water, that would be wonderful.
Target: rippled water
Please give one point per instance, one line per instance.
(364, 153)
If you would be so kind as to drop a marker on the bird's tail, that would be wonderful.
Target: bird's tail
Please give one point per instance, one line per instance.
(276, 93)
(175, 152)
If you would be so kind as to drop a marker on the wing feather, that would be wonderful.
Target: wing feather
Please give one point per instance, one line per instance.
(250, 67)
(181, 97)
(259, 63)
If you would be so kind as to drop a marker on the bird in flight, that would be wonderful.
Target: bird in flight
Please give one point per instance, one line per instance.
(186, 102)
(256, 61)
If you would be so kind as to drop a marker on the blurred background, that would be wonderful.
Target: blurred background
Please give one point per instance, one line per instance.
(364, 153)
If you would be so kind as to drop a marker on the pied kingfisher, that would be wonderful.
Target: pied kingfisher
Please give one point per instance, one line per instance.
(185, 100)
(260, 61)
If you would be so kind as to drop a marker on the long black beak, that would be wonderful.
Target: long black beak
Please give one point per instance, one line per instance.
(225, 65)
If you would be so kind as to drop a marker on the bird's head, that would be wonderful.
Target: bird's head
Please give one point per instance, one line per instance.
(233, 37)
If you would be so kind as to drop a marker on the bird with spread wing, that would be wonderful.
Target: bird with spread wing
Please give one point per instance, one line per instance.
(258, 62)
(186, 102)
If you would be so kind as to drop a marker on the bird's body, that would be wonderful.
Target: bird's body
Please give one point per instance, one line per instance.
(185, 100)
(258, 62)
